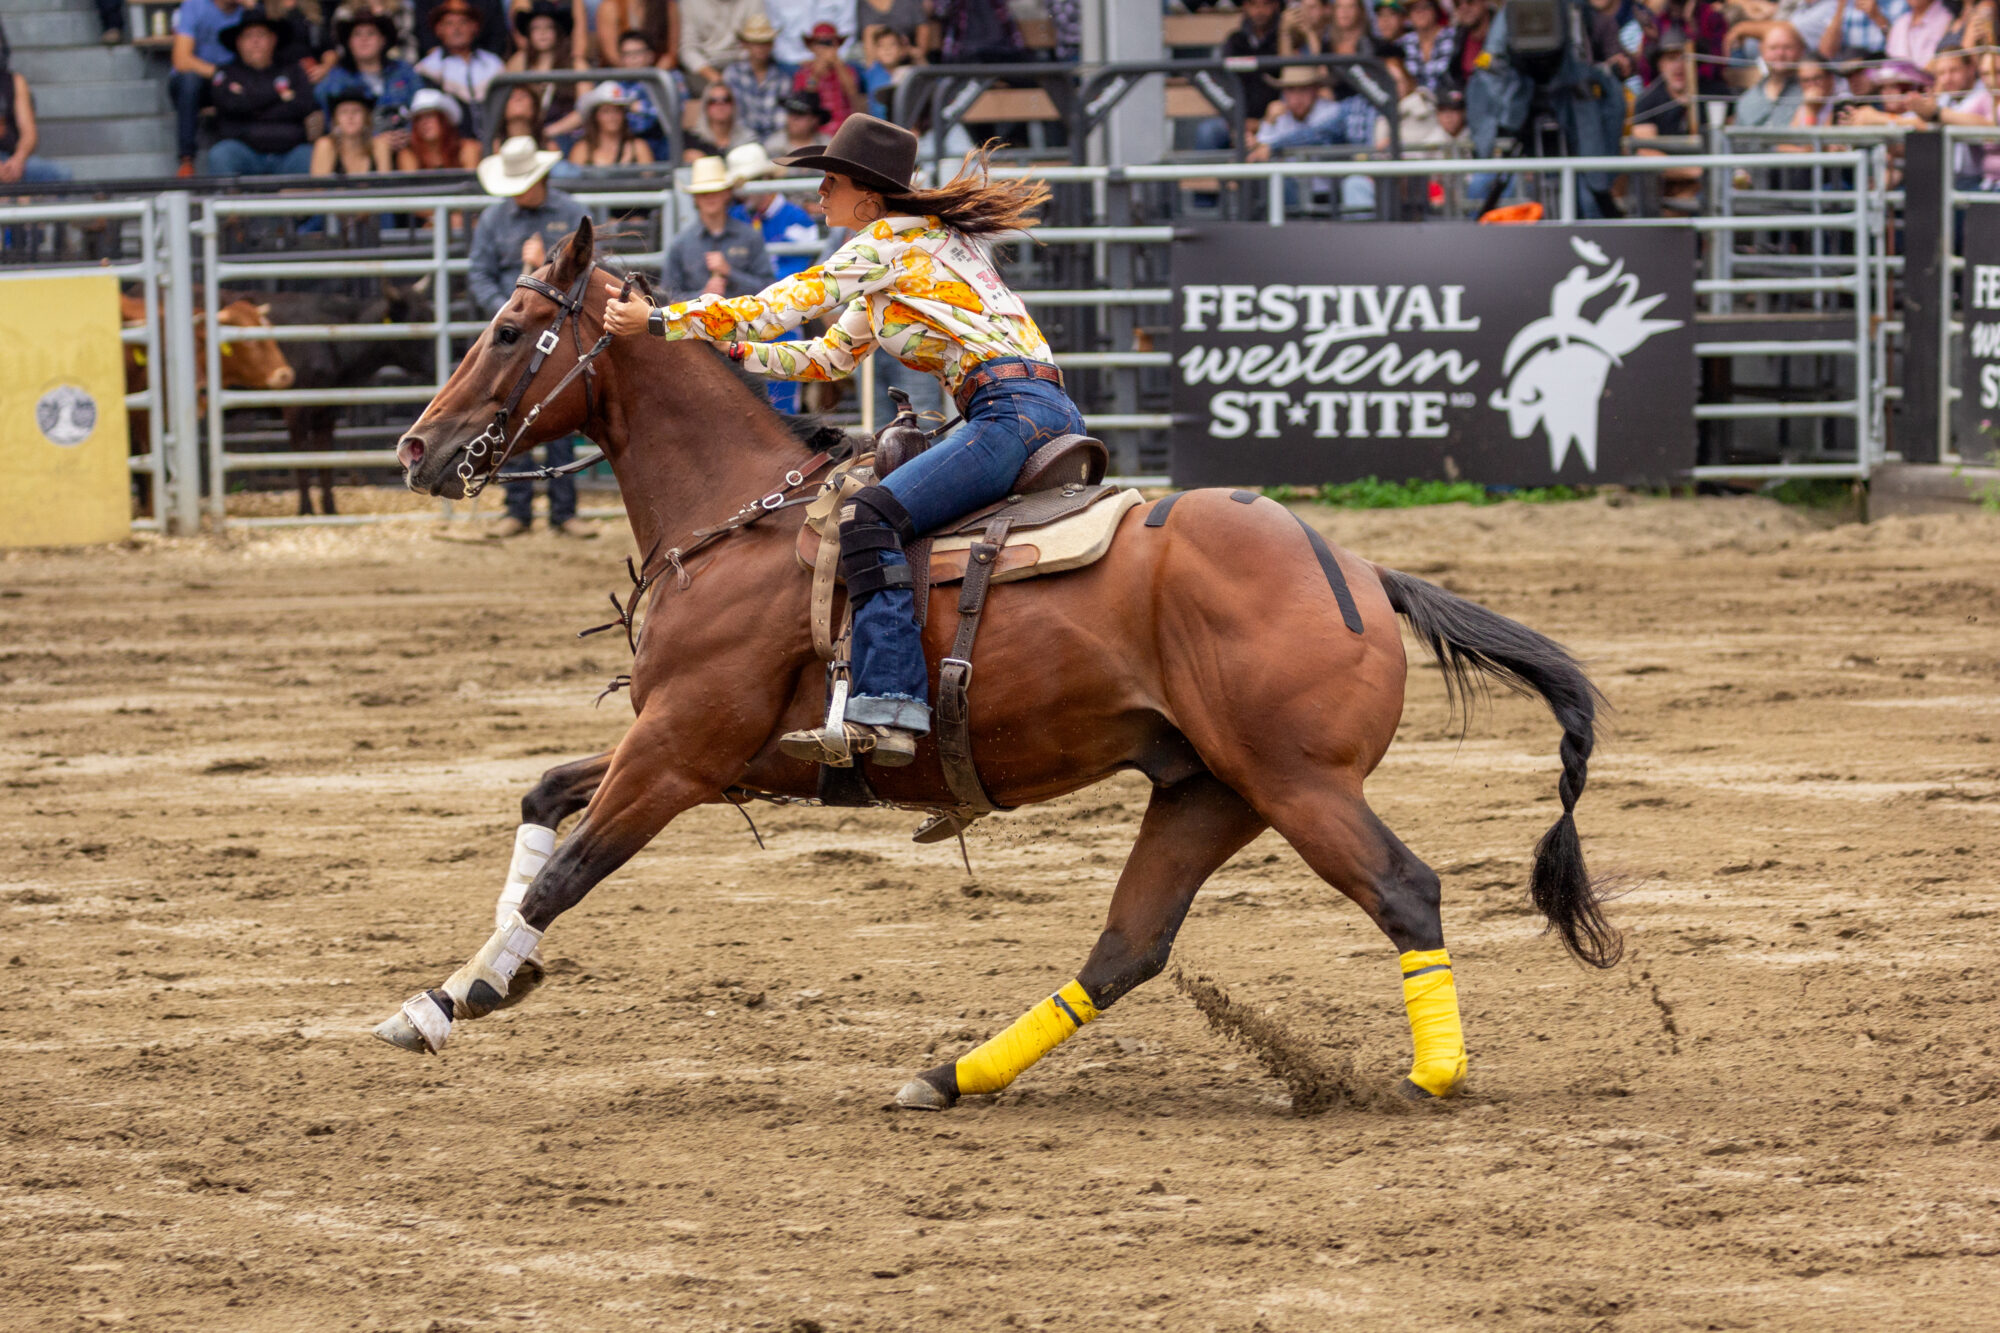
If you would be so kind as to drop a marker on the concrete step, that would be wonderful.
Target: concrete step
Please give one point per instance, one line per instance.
(46, 28)
(94, 64)
(122, 166)
(95, 101)
(65, 139)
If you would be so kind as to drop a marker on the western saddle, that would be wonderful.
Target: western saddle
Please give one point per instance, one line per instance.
(1059, 498)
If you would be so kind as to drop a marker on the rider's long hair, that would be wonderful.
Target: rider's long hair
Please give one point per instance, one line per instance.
(973, 202)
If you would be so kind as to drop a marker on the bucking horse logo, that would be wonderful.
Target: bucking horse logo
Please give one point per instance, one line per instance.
(1558, 364)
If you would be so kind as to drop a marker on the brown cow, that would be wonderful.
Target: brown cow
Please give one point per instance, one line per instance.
(245, 365)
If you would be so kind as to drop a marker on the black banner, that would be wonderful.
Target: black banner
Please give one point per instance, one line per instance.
(1509, 355)
(1976, 417)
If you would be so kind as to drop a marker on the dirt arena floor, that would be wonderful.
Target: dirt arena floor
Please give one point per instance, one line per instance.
(258, 791)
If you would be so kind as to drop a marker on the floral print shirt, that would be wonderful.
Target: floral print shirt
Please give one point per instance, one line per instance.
(922, 291)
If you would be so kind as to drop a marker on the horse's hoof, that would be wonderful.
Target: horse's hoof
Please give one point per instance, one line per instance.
(1411, 1092)
(400, 1032)
(918, 1095)
(421, 1026)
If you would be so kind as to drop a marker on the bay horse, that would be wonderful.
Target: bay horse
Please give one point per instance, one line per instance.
(1208, 653)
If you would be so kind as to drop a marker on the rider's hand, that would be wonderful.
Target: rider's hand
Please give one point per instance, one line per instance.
(534, 251)
(717, 263)
(626, 317)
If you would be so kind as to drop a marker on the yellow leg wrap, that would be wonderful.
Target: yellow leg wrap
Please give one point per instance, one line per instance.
(1432, 999)
(1033, 1035)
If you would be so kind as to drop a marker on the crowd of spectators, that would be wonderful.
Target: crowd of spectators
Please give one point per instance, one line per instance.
(290, 86)
(739, 68)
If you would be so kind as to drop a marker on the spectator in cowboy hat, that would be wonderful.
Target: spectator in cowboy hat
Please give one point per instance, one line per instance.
(261, 106)
(518, 236)
(776, 217)
(544, 28)
(832, 80)
(1303, 115)
(198, 51)
(804, 117)
(608, 140)
(759, 82)
(348, 148)
(366, 65)
(716, 254)
(581, 15)
(494, 33)
(712, 36)
(435, 142)
(794, 19)
(458, 65)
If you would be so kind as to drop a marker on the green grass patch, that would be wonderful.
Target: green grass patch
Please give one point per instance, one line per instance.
(1814, 493)
(1374, 493)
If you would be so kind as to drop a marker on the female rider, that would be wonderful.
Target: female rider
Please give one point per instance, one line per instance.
(915, 281)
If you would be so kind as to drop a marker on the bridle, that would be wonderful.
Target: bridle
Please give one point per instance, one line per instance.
(494, 439)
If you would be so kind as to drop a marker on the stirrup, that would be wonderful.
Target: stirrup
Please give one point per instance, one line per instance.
(889, 747)
(945, 824)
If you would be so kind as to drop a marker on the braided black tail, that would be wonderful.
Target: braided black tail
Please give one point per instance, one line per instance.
(1473, 645)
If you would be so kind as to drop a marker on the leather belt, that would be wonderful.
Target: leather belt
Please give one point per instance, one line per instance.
(987, 374)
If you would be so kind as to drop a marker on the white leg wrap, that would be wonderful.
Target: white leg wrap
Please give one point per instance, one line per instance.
(533, 845)
(423, 1014)
(482, 984)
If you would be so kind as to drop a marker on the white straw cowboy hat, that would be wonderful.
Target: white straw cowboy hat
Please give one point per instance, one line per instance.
(749, 162)
(756, 28)
(516, 167)
(709, 175)
(430, 99)
(608, 93)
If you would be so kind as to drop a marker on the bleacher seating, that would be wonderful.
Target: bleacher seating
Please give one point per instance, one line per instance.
(102, 110)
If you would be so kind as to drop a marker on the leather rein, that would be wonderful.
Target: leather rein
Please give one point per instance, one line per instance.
(494, 440)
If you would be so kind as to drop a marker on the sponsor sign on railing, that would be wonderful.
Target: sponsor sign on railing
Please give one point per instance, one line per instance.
(1977, 409)
(1520, 356)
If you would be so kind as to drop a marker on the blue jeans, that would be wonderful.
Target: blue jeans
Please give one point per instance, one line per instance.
(973, 466)
(187, 90)
(562, 490)
(233, 157)
(41, 171)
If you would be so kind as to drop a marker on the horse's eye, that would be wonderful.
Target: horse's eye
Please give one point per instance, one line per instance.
(508, 334)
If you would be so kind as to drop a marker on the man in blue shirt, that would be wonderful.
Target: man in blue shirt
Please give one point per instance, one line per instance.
(780, 220)
(198, 52)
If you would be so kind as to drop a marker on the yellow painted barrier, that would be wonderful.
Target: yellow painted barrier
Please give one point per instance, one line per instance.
(64, 475)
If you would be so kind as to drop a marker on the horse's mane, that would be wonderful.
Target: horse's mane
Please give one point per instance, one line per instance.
(812, 431)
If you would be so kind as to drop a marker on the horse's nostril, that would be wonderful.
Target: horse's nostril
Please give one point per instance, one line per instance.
(409, 451)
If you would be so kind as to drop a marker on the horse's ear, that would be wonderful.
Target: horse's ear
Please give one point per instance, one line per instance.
(578, 254)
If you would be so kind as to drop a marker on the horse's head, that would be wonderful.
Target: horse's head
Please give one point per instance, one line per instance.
(464, 419)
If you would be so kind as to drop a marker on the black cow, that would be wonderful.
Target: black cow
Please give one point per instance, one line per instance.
(343, 365)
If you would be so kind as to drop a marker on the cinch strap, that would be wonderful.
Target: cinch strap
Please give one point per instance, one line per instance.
(1431, 998)
(1032, 1036)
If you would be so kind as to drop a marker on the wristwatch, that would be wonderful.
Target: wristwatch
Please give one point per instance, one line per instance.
(656, 322)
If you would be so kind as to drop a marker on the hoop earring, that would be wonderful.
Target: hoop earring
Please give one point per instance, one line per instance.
(876, 215)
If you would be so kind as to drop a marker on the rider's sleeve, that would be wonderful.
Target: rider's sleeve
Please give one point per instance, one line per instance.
(832, 357)
(852, 271)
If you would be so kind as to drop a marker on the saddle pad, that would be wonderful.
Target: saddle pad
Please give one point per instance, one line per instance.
(1080, 539)
(1036, 509)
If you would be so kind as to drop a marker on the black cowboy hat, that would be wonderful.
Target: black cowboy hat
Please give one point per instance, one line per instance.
(353, 93)
(544, 9)
(875, 154)
(252, 18)
(381, 23)
(804, 104)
